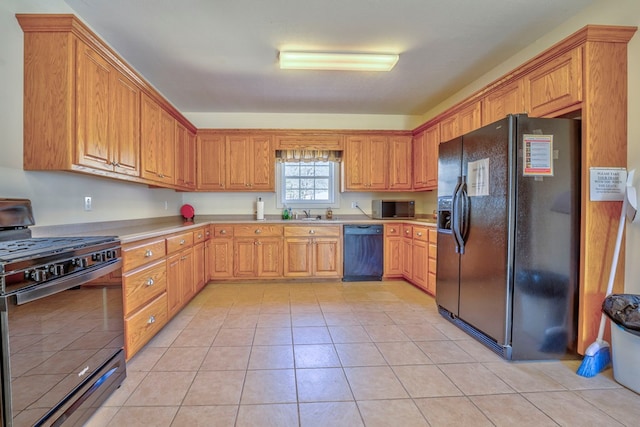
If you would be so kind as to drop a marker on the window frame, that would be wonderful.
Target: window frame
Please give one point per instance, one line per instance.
(334, 190)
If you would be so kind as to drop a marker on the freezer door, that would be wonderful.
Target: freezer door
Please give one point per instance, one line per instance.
(448, 266)
(484, 284)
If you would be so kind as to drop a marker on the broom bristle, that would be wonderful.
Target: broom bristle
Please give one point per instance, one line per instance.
(593, 365)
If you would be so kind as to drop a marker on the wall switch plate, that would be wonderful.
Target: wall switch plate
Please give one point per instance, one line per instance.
(87, 203)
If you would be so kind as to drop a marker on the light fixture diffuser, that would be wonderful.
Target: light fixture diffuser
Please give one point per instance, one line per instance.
(337, 61)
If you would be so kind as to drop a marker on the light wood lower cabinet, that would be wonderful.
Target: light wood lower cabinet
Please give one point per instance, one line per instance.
(433, 256)
(313, 251)
(392, 250)
(142, 325)
(407, 251)
(220, 256)
(257, 251)
(420, 254)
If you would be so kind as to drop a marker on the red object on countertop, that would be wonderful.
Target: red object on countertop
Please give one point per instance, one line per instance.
(187, 213)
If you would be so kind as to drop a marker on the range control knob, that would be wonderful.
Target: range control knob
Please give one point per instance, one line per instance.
(38, 275)
(56, 269)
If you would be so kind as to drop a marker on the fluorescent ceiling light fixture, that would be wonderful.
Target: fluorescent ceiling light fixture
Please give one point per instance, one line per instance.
(337, 61)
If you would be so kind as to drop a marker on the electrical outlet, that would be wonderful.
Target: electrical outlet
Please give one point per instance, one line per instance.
(354, 205)
(87, 203)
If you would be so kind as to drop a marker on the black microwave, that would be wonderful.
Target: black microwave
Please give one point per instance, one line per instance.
(393, 209)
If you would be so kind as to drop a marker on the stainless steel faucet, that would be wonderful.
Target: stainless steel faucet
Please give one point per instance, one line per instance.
(307, 213)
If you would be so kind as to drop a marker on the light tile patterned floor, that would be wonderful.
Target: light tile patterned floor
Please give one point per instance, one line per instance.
(344, 354)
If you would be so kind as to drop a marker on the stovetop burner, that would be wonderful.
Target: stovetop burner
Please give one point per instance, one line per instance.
(16, 250)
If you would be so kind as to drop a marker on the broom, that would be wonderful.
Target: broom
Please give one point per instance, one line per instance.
(598, 354)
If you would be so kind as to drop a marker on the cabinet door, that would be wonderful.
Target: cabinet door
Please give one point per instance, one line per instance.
(125, 125)
(261, 163)
(298, 257)
(470, 118)
(181, 154)
(407, 259)
(378, 166)
(420, 268)
(556, 85)
(245, 260)
(509, 99)
(149, 138)
(432, 143)
(220, 258)
(269, 253)
(393, 256)
(449, 128)
(93, 91)
(355, 167)
(237, 172)
(399, 164)
(167, 148)
(189, 275)
(174, 284)
(211, 161)
(419, 161)
(327, 257)
(199, 267)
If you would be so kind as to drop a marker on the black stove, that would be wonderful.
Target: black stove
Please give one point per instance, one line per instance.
(61, 320)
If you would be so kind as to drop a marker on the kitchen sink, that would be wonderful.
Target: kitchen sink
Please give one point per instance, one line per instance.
(309, 219)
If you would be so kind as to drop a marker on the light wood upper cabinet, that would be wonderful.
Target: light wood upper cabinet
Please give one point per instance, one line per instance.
(508, 99)
(470, 118)
(425, 159)
(400, 163)
(158, 134)
(365, 164)
(83, 105)
(211, 161)
(185, 158)
(250, 163)
(556, 85)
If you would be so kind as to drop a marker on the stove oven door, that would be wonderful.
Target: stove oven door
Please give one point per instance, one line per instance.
(62, 348)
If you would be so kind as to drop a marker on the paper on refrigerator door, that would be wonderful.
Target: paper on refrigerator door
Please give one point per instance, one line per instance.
(478, 178)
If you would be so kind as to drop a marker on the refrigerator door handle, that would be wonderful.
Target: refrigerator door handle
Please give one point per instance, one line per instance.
(464, 214)
(455, 217)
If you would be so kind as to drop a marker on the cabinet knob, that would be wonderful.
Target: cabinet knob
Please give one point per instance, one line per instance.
(258, 231)
(223, 231)
(199, 235)
(419, 233)
(393, 230)
(312, 231)
(182, 242)
(152, 319)
(150, 281)
(148, 253)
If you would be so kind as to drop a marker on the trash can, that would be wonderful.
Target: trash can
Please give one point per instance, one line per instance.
(624, 312)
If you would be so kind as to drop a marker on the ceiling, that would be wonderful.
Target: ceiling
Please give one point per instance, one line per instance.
(221, 55)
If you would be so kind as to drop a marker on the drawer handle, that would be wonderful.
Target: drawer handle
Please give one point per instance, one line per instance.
(152, 319)
(258, 231)
(312, 231)
(182, 242)
(419, 233)
(406, 231)
(393, 230)
(208, 233)
(223, 231)
(148, 253)
(150, 281)
(199, 235)
(257, 242)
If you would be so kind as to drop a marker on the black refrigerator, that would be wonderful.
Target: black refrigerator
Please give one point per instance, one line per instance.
(509, 235)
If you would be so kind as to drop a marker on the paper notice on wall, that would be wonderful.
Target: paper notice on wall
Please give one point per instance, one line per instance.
(478, 178)
(538, 152)
(607, 184)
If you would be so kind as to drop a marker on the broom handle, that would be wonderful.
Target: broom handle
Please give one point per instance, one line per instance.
(614, 264)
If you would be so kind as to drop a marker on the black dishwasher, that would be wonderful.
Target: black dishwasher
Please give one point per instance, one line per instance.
(363, 253)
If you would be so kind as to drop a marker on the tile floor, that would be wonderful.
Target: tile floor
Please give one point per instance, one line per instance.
(344, 354)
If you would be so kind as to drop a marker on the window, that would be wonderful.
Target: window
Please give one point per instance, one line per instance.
(307, 184)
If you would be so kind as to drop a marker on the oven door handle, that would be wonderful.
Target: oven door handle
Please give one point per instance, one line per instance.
(67, 282)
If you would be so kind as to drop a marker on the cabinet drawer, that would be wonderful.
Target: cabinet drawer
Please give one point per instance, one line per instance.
(312, 231)
(144, 324)
(433, 251)
(139, 253)
(257, 230)
(433, 235)
(392, 229)
(421, 233)
(199, 236)
(179, 241)
(407, 231)
(143, 285)
(223, 231)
